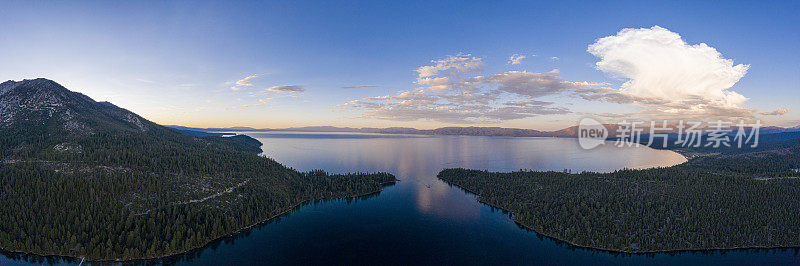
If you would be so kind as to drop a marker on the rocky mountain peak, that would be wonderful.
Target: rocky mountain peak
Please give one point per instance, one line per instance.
(34, 103)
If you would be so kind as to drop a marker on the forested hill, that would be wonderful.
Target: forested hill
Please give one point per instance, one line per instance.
(731, 198)
(39, 114)
(89, 179)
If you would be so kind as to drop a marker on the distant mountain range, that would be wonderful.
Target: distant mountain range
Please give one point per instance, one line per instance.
(570, 132)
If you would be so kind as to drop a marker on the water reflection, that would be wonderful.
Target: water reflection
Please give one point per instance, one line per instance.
(417, 159)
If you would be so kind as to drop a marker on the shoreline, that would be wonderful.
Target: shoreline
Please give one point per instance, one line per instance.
(205, 245)
(608, 250)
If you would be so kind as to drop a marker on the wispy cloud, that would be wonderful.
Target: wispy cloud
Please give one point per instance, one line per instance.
(523, 83)
(287, 88)
(516, 59)
(243, 83)
(461, 64)
(778, 111)
(448, 93)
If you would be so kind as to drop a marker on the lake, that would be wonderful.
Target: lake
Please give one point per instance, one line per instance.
(421, 219)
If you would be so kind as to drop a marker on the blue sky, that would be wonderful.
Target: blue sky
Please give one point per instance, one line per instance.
(178, 62)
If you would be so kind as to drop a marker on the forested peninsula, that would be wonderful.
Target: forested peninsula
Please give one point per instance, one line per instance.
(91, 180)
(719, 199)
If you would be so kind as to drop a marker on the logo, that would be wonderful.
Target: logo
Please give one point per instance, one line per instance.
(591, 133)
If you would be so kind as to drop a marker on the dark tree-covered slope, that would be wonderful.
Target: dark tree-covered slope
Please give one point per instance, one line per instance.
(89, 179)
(731, 199)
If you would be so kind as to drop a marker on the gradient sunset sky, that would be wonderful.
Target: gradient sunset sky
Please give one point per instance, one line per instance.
(426, 64)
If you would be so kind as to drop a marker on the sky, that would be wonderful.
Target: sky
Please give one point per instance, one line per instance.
(423, 64)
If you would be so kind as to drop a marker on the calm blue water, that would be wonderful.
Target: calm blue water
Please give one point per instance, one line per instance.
(423, 220)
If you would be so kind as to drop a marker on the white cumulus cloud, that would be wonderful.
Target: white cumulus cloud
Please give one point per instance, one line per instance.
(674, 76)
(666, 77)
